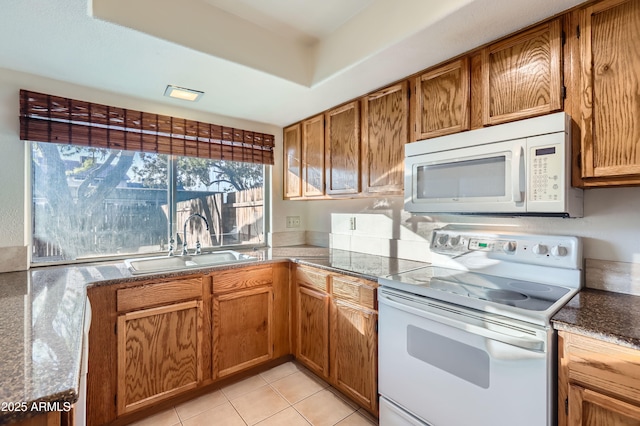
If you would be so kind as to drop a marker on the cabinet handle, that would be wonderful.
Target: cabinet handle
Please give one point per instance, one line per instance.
(517, 174)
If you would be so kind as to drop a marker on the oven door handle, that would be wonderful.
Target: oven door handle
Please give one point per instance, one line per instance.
(408, 305)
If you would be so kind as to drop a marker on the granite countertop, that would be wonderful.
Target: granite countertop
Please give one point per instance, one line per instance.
(604, 315)
(41, 321)
(359, 264)
(41, 324)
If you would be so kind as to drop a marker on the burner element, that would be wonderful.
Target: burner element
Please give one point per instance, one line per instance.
(505, 295)
(529, 286)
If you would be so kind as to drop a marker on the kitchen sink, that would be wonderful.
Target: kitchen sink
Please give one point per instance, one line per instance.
(145, 265)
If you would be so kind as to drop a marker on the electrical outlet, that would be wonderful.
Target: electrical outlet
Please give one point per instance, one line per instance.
(293, 221)
(352, 223)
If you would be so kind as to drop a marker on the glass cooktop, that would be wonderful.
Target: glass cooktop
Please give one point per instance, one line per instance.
(436, 282)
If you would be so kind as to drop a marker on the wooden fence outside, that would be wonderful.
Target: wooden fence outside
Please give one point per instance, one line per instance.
(234, 218)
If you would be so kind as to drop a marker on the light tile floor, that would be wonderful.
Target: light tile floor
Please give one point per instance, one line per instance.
(286, 395)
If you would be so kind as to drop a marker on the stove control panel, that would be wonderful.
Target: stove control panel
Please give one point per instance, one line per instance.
(506, 246)
(547, 250)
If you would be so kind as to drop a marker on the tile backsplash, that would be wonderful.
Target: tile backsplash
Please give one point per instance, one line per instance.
(296, 238)
(379, 234)
(620, 277)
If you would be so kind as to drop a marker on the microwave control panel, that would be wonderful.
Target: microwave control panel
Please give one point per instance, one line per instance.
(546, 168)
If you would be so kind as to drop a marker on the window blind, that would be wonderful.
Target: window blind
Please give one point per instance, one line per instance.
(48, 118)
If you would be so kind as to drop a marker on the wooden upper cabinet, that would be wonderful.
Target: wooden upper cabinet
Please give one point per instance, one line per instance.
(442, 100)
(292, 164)
(313, 156)
(385, 125)
(522, 75)
(610, 83)
(342, 150)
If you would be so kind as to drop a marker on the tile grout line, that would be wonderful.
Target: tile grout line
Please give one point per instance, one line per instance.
(327, 387)
(238, 413)
(291, 405)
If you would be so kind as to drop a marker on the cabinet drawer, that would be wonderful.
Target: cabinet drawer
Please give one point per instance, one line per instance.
(604, 366)
(353, 290)
(152, 294)
(239, 279)
(315, 278)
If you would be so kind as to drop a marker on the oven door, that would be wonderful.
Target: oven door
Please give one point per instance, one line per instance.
(482, 179)
(449, 365)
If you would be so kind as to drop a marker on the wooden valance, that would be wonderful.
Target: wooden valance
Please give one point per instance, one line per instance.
(47, 118)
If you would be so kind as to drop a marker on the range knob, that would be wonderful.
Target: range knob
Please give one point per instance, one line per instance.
(442, 239)
(509, 247)
(540, 249)
(454, 241)
(559, 251)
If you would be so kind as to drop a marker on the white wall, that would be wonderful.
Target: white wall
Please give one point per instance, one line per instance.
(610, 227)
(14, 180)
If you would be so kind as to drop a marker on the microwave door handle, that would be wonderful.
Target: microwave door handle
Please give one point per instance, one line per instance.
(517, 174)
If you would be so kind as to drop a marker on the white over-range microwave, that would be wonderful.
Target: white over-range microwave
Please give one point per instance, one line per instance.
(518, 168)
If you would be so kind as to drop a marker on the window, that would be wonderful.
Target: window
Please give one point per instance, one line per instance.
(90, 202)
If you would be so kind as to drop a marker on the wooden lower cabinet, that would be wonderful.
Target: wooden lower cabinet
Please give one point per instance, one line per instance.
(242, 330)
(354, 352)
(592, 408)
(244, 318)
(52, 418)
(336, 331)
(159, 354)
(153, 341)
(312, 330)
(599, 382)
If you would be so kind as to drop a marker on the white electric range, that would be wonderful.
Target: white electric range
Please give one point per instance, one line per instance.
(468, 340)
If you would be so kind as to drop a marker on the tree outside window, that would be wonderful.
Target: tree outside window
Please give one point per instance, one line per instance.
(90, 202)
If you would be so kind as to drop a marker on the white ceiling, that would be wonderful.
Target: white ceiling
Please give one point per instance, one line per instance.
(272, 61)
(302, 20)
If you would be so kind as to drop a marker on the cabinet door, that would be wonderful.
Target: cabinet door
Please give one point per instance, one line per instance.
(292, 179)
(609, 93)
(590, 408)
(442, 104)
(354, 352)
(385, 124)
(242, 330)
(313, 156)
(343, 149)
(158, 354)
(312, 330)
(523, 75)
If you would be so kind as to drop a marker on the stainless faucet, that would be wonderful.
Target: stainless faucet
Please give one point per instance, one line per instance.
(184, 234)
